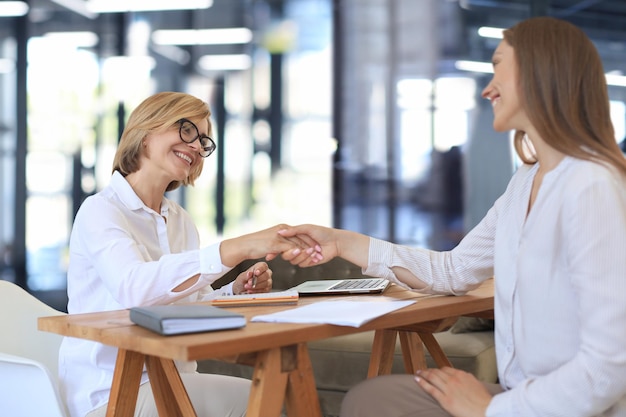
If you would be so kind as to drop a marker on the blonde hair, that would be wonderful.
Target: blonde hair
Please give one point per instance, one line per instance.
(564, 91)
(156, 113)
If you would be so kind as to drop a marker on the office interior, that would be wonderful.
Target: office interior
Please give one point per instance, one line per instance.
(359, 114)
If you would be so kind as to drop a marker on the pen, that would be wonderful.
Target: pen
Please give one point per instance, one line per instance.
(254, 281)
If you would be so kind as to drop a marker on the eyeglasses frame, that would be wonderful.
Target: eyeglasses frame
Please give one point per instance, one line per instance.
(199, 137)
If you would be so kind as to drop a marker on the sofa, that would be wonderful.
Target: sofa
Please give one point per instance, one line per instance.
(341, 362)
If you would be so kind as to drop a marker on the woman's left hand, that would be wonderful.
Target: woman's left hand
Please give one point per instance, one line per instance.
(257, 278)
(458, 392)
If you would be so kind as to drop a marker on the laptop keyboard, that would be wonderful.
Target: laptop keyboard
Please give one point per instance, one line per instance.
(350, 284)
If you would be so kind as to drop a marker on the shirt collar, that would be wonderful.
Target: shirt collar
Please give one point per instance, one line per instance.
(129, 198)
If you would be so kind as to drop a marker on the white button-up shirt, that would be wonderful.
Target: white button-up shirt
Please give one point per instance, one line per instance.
(560, 289)
(124, 254)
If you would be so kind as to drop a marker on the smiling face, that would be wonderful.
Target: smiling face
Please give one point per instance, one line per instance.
(168, 157)
(503, 91)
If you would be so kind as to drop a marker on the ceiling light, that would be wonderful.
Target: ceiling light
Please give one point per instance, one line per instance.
(224, 62)
(13, 8)
(474, 66)
(617, 80)
(202, 36)
(76, 39)
(115, 6)
(489, 32)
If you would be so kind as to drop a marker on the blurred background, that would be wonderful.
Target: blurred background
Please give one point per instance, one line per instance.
(359, 114)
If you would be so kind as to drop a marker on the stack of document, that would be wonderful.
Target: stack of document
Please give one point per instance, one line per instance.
(339, 312)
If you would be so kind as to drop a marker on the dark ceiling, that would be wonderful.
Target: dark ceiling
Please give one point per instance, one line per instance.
(598, 17)
(603, 20)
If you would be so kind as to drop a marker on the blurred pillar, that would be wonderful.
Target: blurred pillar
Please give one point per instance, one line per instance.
(120, 49)
(18, 260)
(276, 110)
(219, 110)
(337, 114)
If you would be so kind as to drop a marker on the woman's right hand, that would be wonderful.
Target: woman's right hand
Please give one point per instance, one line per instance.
(267, 243)
(322, 239)
(330, 243)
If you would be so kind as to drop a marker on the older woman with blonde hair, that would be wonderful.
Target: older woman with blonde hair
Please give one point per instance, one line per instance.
(132, 246)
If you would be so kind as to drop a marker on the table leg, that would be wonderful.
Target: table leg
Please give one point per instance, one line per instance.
(302, 399)
(413, 338)
(383, 348)
(170, 395)
(439, 357)
(412, 343)
(125, 387)
(282, 376)
(269, 383)
(412, 352)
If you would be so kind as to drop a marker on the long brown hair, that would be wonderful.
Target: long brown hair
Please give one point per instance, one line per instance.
(564, 91)
(158, 112)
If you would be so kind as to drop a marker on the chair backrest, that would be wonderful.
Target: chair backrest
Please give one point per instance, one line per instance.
(19, 311)
(28, 357)
(27, 389)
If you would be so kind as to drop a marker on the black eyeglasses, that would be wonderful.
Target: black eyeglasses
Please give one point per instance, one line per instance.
(189, 133)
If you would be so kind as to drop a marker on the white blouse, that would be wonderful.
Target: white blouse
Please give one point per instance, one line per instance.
(560, 285)
(124, 254)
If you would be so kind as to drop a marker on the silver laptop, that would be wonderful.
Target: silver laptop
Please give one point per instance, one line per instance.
(342, 286)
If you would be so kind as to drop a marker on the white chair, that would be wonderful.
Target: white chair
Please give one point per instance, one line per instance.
(28, 357)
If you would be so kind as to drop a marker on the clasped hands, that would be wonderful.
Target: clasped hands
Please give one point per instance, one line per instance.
(293, 247)
(269, 243)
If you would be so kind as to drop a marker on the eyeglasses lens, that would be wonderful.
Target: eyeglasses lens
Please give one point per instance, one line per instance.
(188, 132)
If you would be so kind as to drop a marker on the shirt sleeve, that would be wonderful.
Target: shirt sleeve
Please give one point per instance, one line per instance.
(452, 272)
(208, 293)
(110, 246)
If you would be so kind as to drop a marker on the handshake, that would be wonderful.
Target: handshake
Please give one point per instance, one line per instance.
(303, 245)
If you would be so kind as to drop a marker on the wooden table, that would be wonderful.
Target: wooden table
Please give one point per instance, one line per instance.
(278, 351)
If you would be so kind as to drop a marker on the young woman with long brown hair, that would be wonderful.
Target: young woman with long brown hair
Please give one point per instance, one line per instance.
(555, 242)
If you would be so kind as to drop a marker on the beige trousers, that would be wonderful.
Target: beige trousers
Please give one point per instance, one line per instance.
(394, 396)
(211, 396)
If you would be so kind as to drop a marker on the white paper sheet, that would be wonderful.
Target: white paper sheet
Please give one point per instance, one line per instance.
(339, 312)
